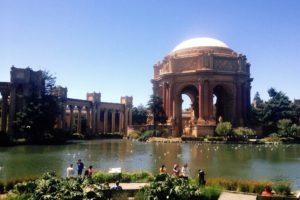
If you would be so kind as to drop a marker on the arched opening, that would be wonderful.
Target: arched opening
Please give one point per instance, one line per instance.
(188, 109)
(223, 104)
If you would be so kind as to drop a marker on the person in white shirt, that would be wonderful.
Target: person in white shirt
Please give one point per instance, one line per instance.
(70, 171)
(185, 171)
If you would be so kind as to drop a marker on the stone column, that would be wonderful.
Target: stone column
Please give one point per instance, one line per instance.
(167, 109)
(126, 120)
(79, 120)
(98, 119)
(238, 103)
(113, 129)
(88, 117)
(120, 122)
(94, 118)
(130, 116)
(71, 118)
(210, 103)
(4, 111)
(105, 121)
(12, 110)
(201, 103)
(63, 116)
(170, 100)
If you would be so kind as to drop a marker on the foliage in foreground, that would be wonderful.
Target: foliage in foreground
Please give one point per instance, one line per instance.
(49, 186)
(166, 186)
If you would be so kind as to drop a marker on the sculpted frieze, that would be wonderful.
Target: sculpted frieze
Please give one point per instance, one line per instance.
(186, 64)
(225, 65)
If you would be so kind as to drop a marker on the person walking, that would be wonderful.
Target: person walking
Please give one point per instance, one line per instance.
(70, 171)
(185, 171)
(80, 167)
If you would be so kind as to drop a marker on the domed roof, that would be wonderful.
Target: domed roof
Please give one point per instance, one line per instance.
(200, 42)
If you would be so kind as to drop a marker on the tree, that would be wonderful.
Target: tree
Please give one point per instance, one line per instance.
(284, 127)
(155, 106)
(139, 115)
(258, 109)
(279, 107)
(224, 129)
(36, 121)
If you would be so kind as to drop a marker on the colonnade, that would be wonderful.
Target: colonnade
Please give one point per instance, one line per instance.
(99, 119)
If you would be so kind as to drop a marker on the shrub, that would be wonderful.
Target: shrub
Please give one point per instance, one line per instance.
(134, 134)
(243, 131)
(251, 186)
(283, 188)
(101, 177)
(166, 186)
(4, 139)
(147, 134)
(223, 128)
(77, 136)
(1, 187)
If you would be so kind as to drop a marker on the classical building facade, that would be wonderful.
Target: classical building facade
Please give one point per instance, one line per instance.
(88, 116)
(215, 78)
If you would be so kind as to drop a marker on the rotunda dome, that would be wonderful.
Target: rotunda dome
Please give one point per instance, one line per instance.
(200, 42)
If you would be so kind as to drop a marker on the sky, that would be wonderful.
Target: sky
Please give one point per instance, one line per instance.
(110, 46)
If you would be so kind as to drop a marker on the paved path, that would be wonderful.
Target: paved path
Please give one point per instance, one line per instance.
(130, 186)
(236, 196)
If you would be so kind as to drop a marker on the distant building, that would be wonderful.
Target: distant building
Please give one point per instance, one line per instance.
(96, 116)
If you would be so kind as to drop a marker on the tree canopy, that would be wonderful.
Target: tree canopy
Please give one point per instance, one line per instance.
(139, 115)
(155, 106)
(278, 107)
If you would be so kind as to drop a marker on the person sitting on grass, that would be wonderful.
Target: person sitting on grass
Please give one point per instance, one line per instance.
(267, 192)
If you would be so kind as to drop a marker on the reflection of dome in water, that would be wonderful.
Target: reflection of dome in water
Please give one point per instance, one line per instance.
(200, 42)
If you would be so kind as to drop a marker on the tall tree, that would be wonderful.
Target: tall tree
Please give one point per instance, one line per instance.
(139, 115)
(155, 106)
(278, 107)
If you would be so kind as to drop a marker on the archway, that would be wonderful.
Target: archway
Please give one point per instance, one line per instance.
(188, 109)
(223, 103)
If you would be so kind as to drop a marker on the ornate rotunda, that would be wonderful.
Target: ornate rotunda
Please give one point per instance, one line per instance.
(214, 77)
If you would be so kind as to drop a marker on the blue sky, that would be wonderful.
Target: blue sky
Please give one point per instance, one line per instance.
(110, 46)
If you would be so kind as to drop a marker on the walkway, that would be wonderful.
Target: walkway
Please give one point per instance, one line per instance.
(236, 196)
(130, 186)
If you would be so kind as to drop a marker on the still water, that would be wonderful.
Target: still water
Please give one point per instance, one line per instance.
(271, 162)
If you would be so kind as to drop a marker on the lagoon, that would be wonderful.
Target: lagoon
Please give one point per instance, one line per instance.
(270, 162)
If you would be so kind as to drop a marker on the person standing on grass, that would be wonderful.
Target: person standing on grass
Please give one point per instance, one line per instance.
(185, 171)
(80, 167)
(176, 170)
(201, 177)
(70, 171)
(162, 170)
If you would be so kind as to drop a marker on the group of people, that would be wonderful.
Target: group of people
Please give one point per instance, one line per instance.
(184, 172)
(80, 167)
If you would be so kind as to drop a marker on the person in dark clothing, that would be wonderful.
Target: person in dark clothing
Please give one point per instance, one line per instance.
(117, 187)
(201, 177)
(80, 167)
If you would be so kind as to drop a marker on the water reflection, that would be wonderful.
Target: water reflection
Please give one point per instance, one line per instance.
(275, 162)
